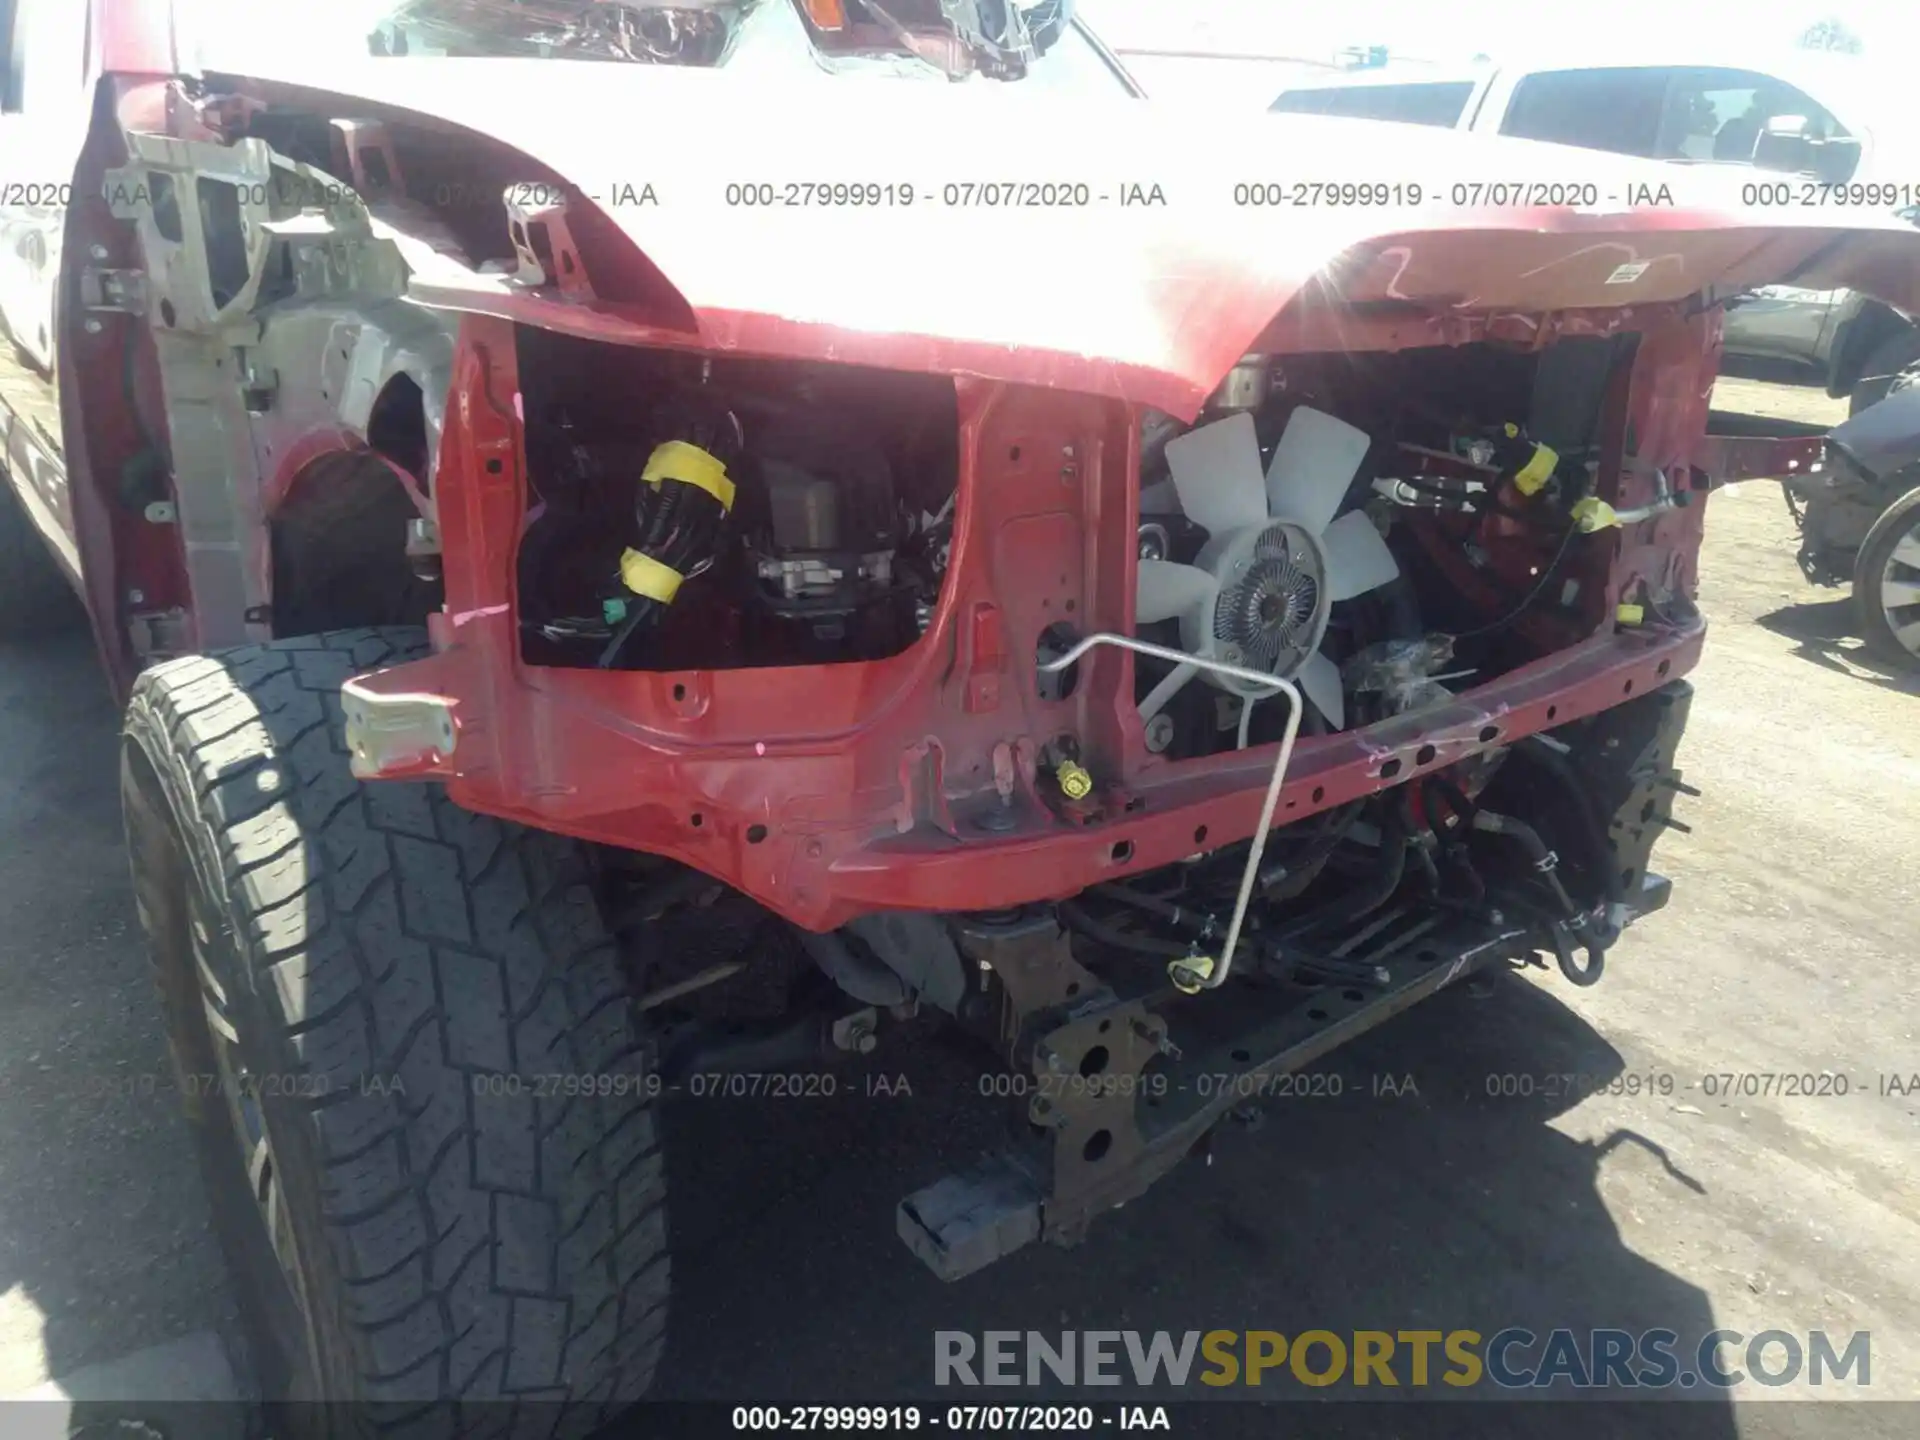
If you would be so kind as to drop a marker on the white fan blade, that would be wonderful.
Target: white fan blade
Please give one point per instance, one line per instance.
(1313, 466)
(1158, 697)
(1216, 470)
(1358, 560)
(1319, 681)
(1166, 590)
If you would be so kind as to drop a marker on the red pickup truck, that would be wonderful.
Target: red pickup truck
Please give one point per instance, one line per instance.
(551, 482)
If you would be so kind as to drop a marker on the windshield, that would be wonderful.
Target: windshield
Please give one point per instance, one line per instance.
(957, 39)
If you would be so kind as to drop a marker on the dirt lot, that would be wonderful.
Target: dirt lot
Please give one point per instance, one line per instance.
(1788, 950)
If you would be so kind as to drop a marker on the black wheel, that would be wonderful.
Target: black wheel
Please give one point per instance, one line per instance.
(409, 1056)
(33, 593)
(1886, 582)
(1897, 353)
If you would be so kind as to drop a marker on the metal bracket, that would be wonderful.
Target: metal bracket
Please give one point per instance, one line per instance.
(543, 241)
(119, 292)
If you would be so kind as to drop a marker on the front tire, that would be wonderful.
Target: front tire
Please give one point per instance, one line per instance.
(1886, 582)
(410, 1059)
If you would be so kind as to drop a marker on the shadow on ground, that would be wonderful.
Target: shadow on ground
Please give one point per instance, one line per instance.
(1827, 633)
(1442, 1209)
(104, 1238)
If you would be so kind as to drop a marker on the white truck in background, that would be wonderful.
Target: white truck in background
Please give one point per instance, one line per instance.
(1825, 127)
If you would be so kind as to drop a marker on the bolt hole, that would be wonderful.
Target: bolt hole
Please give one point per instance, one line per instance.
(1390, 769)
(1552, 710)
(1646, 812)
(1665, 666)
(1105, 1026)
(1628, 689)
(1097, 1145)
(1429, 955)
(1122, 852)
(494, 467)
(166, 313)
(1094, 1061)
(1424, 755)
(1353, 995)
(1316, 1013)
(1073, 989)
(1069, 607)
(698, 820)
(1489, 733)
(1199, 834)
(1319, 794)
(1014, 453)
(755, 834)
(679, 692)
(1241, 1057)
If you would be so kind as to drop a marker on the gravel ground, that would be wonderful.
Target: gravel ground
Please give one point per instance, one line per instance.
(1788, 949)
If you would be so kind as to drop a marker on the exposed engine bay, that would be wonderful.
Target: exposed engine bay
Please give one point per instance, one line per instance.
(698, 513)
(1315, 523)
(1371, 526)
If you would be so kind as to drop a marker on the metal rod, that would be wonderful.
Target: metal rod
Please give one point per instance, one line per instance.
(712, 975)
(1214, 976)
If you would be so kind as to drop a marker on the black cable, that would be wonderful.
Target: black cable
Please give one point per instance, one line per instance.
(1079, 920)
(1482, 502)
(639, 613)
(1526, 601)
(1183, 916)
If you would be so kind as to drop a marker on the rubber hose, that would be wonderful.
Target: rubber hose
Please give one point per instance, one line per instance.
(1080, 921)
(1493, 823)
(1557, 765)
(1356, 905)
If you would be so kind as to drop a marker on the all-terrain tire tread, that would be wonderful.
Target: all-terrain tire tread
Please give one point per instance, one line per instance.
(487, 1245)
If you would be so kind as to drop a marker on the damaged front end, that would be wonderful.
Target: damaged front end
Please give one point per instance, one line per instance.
(1047, 657)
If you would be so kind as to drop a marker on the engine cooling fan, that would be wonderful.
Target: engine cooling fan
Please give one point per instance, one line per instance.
(1259, 593)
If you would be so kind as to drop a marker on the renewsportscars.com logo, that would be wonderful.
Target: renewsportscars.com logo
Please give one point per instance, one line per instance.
(1510, 1359)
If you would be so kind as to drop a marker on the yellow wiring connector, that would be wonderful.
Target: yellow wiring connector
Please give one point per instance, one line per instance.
(1190, 975)
(1075, 782)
